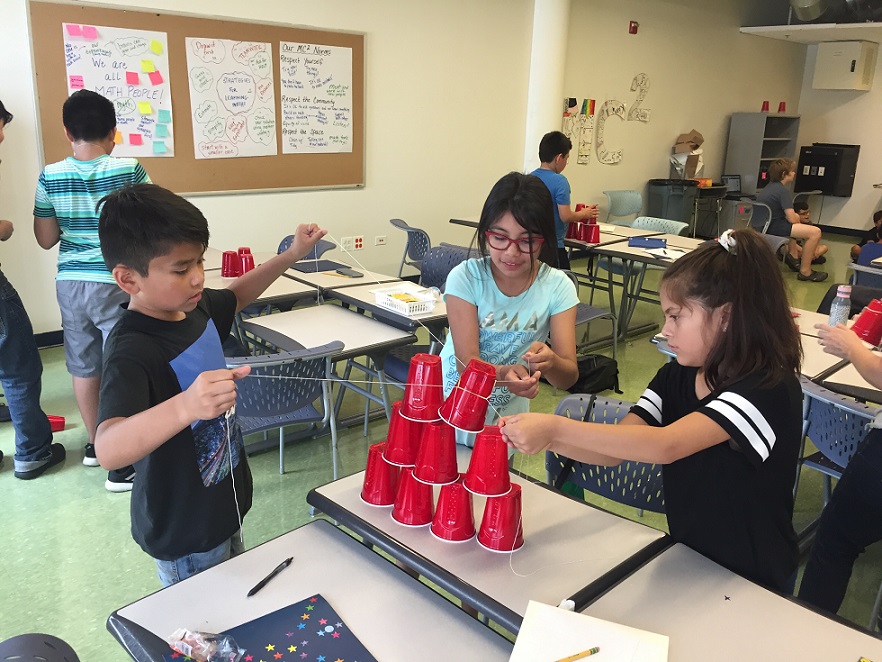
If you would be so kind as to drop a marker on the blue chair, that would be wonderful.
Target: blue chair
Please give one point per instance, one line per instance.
(636, 484)
(35, 647)
(621, 204)
(281, 390)
(866, 275)
(418, 244)
(321, 247)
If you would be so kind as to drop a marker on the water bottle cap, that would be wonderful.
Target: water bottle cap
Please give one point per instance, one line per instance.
(844, 290)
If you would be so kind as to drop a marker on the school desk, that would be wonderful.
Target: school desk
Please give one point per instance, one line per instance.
(322, 281)
(848, 381)
(572, 549)
(806, 320)
(710, 613)
(391, 613)
(279, 290)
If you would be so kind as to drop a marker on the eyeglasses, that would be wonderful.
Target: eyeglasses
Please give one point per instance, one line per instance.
(525, 245)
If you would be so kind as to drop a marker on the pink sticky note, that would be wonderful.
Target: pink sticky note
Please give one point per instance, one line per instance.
(132, 78)
(76, 83)
(155, 77)
(136, 139)
(90, 32)
(74, 30)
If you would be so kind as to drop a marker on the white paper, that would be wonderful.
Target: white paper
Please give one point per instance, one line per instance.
(549, 633)
(316, 87)
(665, 253)
(232, 98)
(129, 67)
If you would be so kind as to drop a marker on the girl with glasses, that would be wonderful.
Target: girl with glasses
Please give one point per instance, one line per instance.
(503, 306)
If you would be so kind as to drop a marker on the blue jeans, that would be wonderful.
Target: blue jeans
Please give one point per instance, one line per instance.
(171, 572)
(20, 373)
(850, 522)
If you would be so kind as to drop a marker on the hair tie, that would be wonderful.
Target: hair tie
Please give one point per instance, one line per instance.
(727, 241)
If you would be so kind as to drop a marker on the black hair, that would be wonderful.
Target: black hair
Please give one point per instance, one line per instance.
(552, 144)
(530, 203)
(761, 338)
(5, 115)
(800, 206)
(877, 216)
(144, 221)
(88, 116)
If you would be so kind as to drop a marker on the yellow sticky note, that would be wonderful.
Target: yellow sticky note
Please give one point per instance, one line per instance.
(118, 138)
(156, 46)
(145, 108)
(147, 66)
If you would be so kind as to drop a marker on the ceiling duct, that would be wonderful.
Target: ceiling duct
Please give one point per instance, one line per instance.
(837, 11)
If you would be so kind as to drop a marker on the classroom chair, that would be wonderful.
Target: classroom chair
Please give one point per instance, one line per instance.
(418, 244)
(321, 247)
(37, 647)
(759, 216)
(636, 484)
(621, 204)
(280, 390)
(866, 275)
(861, 296)
(586, 314)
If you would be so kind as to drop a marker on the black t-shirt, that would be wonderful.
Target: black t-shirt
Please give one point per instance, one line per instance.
(182, 499)
(871, 235)
(733, 502)
(779, 198)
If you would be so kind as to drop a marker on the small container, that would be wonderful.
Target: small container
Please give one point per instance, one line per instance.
(840, 309)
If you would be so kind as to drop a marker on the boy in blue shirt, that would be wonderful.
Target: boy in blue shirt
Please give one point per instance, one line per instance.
(554, 152)
(166, 393)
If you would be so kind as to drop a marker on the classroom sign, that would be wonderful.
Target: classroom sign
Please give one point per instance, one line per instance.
(316, 89)
(232, 98)
(129, 67)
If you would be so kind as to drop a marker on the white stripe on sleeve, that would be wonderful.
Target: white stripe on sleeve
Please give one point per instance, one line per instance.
(741, 412)
(651, 404)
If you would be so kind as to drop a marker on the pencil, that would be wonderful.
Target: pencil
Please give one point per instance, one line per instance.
(579, 656)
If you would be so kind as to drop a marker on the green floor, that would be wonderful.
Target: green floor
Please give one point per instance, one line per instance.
(68, 559)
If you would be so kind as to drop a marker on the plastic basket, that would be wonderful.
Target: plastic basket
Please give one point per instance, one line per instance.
(424, 299)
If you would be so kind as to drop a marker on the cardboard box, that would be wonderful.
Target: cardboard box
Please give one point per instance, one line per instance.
(687, 152)
(687, 142)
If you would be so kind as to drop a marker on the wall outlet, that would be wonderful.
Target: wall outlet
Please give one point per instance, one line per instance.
(347, 243)
(380, 240)
(359, 242)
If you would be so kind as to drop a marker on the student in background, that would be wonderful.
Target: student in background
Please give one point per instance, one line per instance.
(502, 306)
(20, 373)
(65, 213)
(724, 419)
(166, 393)
(873, 235)
(554, 152)
(802, 210)
(785, 222)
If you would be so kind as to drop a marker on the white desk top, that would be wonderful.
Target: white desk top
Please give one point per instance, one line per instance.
(282, 288)
(682, 594)
(326, 280)
(807, 319)
(391, 613)
(365, 294)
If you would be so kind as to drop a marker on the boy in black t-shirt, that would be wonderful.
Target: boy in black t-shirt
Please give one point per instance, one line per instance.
(874, 234)
(166, 393)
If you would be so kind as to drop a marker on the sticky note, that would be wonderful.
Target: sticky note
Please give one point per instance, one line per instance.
(164, 116)
(76, 83)
(147, 66)
(132, 78)
(90, 32)
(156, 46)
(73, 29)
(161, 131)
(145, 108)
(136, 139)
(117, 138)
(159, 147)
(155, 77)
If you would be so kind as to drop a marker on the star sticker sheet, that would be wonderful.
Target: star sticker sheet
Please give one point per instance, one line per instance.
(308, 631)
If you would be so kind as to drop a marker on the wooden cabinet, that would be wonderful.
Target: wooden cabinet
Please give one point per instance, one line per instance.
(755, 140)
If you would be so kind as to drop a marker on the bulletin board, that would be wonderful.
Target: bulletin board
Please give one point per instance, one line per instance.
(184, 173)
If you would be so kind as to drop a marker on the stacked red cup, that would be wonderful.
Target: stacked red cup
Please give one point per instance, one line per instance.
(488, 468)
(246, 259)
(466, 406)
(868, 325)
(380, 478)
(413, 501)
(501, 527)
(453, 520)
(403, 439)
(436, 458)
(231, 264)
(424, 390)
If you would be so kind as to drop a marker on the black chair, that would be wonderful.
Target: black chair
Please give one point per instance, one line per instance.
(861, 296)
(37, 647)
(418, 244)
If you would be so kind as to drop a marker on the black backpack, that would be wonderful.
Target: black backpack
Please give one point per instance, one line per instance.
(596, 373)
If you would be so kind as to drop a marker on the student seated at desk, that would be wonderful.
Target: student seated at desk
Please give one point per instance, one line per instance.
(502, 306)
(166, 394)
(724, 418)
(873, 235)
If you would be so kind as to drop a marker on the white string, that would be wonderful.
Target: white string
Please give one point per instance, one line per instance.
(229, 417)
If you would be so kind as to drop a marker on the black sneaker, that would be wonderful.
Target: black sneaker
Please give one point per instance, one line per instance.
(819, 260)
(57, 454)
(814, 277)
(120, 480)
(89, 458)
(791, 262)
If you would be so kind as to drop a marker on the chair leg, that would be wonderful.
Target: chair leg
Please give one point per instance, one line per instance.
(282, 450)
(367, 405)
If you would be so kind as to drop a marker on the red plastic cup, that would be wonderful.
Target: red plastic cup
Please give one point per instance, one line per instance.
(380, 478)
(501, 527)
(56, 423)
(868, 326)
(782, 107)
(580, 206)
(573, 230)
(243, 250)
(765, 108)
(453, 520)
(488, 467)
(478, 378)
(403, 440)
(590, 233)
(424, 392)
(231, 264)
(247, 262)
(464, 410)
(413, 501)
(436, 458)
(875, 305)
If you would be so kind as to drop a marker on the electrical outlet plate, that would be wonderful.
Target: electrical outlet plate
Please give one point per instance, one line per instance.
(347, 243)
(380, 240)
(359, 242)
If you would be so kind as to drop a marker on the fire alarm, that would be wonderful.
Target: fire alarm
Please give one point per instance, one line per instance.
(632, 27)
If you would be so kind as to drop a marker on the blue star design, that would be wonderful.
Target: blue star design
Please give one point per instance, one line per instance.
(301, 626)
(320, 658)
(321, 633)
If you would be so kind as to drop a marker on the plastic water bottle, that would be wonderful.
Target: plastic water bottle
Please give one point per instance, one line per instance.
(840, 309)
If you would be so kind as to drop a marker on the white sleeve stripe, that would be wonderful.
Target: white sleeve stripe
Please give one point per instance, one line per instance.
(753, 414)
(651, 404)
(761, 445)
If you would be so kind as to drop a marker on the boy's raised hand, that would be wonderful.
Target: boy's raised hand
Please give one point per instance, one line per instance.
(212, 393)
(306, 236)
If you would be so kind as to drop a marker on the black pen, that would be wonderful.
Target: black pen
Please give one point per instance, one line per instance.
(266, 580)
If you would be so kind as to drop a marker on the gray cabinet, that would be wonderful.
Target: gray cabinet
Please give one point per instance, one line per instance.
(755, 140)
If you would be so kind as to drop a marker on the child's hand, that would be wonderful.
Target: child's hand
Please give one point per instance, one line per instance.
(592, 211)
(839, 341)
(527, 433)
(540, 357)
(305, 237)
(518, 380)
(212, 393)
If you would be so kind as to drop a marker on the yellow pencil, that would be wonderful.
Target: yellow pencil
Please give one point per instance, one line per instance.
(579, 656)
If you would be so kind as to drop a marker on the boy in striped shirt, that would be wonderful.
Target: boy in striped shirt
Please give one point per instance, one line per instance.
(65, 213)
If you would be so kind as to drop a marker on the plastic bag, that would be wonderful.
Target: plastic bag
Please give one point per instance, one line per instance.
(205, 646)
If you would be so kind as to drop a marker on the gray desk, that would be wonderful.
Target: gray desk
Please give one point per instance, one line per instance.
(571, 550)
(280, 289)
(322, 281)
(683, 595)
(392, 614)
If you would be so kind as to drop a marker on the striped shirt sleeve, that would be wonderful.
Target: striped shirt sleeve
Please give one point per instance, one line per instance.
(746, 421)
(649, 406)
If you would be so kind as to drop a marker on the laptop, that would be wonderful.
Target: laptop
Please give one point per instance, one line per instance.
(732, 184)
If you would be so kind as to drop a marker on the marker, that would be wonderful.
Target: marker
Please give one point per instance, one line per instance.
(579, 656)
(266, 580)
